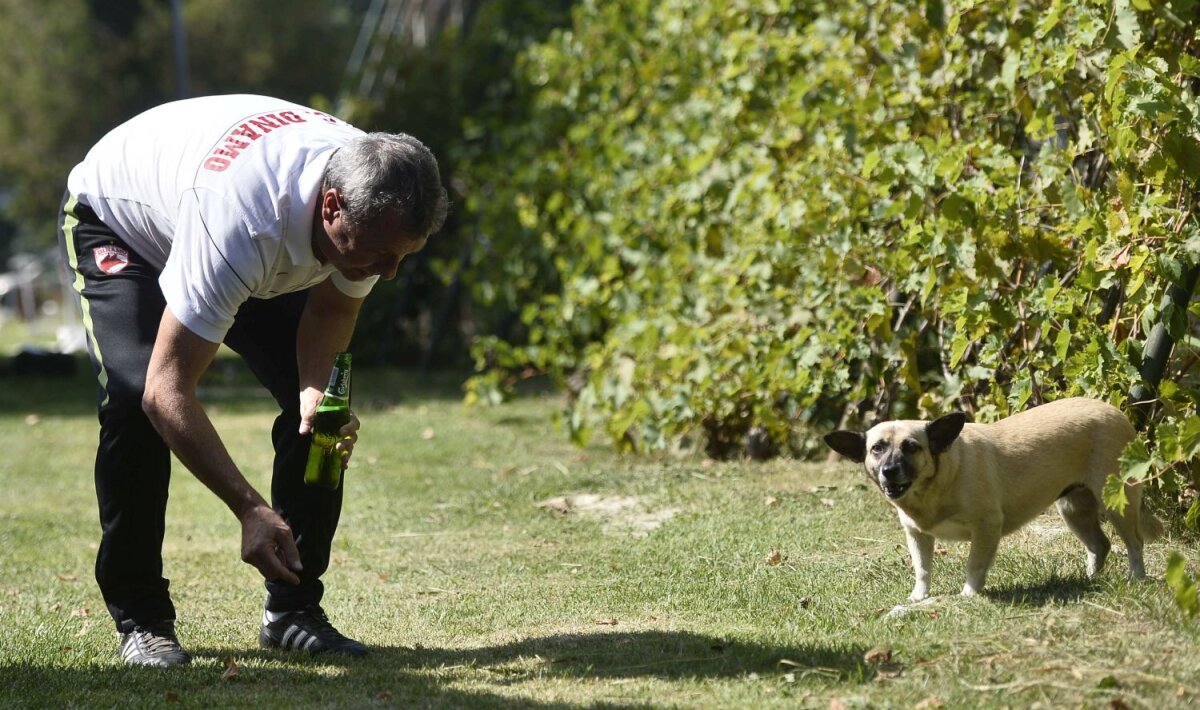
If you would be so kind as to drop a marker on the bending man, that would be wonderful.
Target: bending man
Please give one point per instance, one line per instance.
(257, 223)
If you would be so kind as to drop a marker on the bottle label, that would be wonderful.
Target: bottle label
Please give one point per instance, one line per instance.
(339, 383)
(339, 378)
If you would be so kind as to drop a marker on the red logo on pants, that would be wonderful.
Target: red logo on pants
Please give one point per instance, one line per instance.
(111, 259)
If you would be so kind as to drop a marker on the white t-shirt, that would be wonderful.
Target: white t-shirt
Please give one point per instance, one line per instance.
(219, 194)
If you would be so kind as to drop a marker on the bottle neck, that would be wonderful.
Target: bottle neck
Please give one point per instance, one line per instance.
(339, 379)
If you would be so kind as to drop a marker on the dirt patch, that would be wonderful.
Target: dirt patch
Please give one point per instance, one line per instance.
(619, 515)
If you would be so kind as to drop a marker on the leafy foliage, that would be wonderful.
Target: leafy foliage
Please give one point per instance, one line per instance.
(48, 50)
(728, 217)
(1182, 584)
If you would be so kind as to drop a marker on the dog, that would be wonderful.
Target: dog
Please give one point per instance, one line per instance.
(952, 480)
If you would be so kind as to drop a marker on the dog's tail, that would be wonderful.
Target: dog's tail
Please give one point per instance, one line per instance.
(1151, 526)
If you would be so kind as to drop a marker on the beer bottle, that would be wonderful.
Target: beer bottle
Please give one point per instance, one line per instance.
(324, 468)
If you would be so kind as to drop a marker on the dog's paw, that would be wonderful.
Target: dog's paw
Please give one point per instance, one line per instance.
(969, 591)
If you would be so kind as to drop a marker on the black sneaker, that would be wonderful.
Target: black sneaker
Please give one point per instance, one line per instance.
(307, 630)
(153, 645)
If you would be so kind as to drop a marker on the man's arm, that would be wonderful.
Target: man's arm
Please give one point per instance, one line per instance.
(325, 329)
(180, 357)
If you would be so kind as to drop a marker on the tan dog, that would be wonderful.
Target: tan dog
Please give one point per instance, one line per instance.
(957, 481)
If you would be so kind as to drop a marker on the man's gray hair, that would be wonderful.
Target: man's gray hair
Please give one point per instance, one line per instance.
(379, 172)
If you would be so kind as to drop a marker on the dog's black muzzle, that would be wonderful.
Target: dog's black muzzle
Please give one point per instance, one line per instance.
(895, 477)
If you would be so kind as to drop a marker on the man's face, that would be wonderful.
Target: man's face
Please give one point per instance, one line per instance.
(360, 252)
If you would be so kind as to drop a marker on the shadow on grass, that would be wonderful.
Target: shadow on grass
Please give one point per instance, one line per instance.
(433, 677)
(1055, 590)
(638, 654)
(327, 683)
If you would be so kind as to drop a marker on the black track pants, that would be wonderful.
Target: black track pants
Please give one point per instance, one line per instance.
(122, 305)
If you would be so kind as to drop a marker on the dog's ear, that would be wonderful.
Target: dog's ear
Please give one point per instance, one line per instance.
(944, 430)
(851, 444)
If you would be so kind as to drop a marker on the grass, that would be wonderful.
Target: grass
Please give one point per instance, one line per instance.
(681, 583)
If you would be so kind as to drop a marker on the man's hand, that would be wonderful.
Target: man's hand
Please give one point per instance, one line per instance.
(310, 397)
(267, 544)
(179, 358)
(325, 328)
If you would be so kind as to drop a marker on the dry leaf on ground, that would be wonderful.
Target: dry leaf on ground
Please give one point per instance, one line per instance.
(231, 669)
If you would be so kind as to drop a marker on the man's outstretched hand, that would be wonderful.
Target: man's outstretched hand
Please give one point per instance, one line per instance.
(267, 544)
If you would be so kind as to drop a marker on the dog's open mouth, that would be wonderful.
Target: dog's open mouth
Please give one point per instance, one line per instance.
(895, 489)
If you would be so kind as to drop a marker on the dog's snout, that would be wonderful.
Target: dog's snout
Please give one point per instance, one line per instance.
(895, 477)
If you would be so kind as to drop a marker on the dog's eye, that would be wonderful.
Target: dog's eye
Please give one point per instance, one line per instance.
(909, 446)
(879, 447)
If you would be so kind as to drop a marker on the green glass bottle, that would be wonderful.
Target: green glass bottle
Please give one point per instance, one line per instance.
(324, 468)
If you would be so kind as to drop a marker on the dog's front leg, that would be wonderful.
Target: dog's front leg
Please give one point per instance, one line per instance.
(920, 548)
(985, 539)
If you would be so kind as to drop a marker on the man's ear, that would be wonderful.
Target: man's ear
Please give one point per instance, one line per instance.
(851, 444)
(944, 430)
(331, 204)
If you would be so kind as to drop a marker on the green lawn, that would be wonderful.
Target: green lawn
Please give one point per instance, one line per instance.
(672, 583)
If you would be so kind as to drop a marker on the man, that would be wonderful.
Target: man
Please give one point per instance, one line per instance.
(257, 223)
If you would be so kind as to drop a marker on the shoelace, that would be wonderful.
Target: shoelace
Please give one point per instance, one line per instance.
(321, 623)
(155, 641)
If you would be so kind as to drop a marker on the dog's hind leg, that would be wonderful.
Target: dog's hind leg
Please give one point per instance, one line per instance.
(1103, 463)
(1080, 510)
(1129, 527)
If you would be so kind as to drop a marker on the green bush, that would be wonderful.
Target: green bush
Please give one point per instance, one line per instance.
(731, 218)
